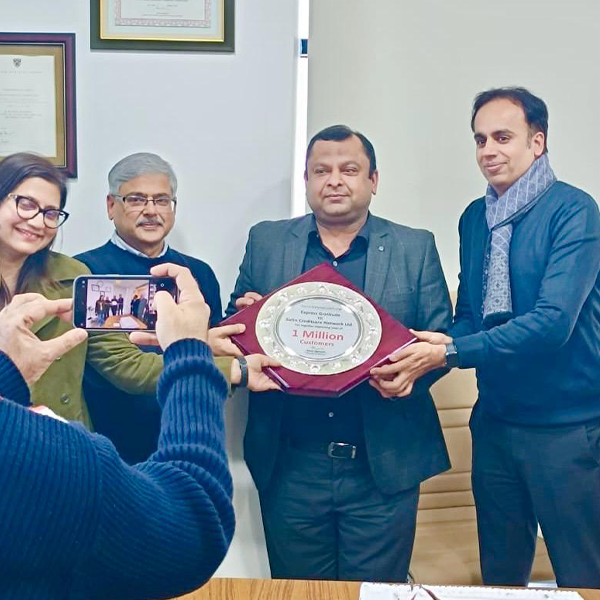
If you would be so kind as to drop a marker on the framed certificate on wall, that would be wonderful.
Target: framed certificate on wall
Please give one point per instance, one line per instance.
(37, 97)
(197, 25)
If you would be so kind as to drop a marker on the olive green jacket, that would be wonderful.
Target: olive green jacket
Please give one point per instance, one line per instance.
(112, 355)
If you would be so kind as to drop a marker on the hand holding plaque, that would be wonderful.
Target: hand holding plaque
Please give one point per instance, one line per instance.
(324, 331)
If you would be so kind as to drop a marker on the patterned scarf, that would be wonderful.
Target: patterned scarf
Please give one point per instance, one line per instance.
(501, 212)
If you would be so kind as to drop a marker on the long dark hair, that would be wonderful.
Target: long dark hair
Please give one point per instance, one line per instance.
(15, 169)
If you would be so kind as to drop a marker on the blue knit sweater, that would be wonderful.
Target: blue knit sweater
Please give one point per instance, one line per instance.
(76, 522)
(542, 367)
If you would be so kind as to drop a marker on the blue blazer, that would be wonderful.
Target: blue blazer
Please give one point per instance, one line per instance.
(403, 274)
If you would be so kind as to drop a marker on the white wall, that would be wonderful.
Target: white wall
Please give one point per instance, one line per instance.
(405, 73)
(225, 122)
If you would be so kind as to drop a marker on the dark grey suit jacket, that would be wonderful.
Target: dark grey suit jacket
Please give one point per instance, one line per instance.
(403, 274)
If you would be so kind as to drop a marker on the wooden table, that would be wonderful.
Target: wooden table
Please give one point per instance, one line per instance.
(287, 589)
(276, 589)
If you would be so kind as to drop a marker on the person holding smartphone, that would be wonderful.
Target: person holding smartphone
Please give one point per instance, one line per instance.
(76, 521)
(142, 204)
(33, 195)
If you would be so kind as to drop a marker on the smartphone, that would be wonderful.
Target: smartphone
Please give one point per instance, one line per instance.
(118, 302)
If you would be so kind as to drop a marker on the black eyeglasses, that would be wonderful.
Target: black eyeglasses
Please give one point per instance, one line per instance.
(162, 202)
(28, 208)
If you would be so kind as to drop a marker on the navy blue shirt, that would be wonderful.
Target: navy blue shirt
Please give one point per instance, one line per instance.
(325, 419)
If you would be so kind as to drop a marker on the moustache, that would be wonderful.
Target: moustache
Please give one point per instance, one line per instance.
(142, 222)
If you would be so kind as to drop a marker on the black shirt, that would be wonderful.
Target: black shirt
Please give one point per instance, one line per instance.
(322, 419)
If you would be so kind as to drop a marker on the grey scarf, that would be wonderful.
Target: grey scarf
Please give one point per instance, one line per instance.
(500, 213)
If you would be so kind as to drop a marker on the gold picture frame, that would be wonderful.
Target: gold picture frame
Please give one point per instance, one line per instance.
(198, 26)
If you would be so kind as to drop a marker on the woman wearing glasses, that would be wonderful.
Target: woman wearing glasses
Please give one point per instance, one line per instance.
(33, 194)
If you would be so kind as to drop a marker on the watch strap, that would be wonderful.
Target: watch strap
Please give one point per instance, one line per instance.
(451, 359)
(244, 371)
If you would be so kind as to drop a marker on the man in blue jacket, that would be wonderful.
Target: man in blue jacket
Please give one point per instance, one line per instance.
(528, 319)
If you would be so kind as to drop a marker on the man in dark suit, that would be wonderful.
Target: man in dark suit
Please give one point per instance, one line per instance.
(338, 478)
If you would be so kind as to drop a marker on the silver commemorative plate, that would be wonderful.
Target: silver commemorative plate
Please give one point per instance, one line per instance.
(318, 328)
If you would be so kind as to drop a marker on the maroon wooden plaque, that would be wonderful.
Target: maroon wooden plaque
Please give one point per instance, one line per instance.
(395, 336)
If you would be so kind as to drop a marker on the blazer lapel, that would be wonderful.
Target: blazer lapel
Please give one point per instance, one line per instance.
(378, 260)
(378, 255)
(295, 249)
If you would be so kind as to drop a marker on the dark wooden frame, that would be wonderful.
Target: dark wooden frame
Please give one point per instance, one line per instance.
(67, 127)
(228, 45)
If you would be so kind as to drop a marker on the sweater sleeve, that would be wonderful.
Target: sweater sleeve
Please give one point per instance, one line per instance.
(90, 526)
(212, 295)
(166, 524)
(463, 323)
(123, 364)
(571, 272)
(12, 384)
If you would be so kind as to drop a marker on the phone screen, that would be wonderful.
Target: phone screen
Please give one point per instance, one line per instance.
(118, 303)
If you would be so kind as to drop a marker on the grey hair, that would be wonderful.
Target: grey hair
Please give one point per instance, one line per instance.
(135, 165)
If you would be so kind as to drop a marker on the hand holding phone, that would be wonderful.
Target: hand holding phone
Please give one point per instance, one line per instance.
(184, 320)
(118, 302)
(31, 355)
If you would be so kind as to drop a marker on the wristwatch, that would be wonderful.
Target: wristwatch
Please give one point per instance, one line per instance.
(451, 360)
(244, 371)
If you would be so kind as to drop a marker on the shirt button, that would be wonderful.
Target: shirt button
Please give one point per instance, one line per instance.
(64, 399)
(330, 414)
(335, 263)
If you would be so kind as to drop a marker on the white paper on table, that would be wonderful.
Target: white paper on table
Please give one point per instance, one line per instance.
(384, 591)
(128, 323)
(27, 105)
